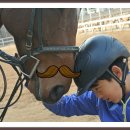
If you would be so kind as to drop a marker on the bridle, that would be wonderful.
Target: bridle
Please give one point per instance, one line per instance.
(42, 46)
(18, 63)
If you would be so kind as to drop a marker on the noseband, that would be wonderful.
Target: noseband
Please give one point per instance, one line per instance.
(18, 63)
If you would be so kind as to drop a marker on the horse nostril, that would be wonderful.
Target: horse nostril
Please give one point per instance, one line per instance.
(57, 92)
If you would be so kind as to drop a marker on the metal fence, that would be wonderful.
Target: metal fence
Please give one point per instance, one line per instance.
(102, 13)
(5, 37)
(6, 41)
(112, 21)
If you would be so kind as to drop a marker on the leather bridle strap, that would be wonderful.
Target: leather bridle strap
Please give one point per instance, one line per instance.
(30, 33)
(40, 27)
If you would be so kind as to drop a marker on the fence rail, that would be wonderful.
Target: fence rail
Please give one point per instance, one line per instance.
(6, 41)
(107, 24)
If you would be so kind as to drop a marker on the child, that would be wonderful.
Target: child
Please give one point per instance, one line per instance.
(104, 82)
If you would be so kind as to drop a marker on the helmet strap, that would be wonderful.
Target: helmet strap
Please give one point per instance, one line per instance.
(121, 82)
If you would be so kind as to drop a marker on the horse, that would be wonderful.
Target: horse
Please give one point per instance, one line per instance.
(44, 44)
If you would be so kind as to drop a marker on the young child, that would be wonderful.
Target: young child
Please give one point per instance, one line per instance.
(104, 82)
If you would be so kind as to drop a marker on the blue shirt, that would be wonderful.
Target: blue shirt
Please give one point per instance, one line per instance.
(89, 104)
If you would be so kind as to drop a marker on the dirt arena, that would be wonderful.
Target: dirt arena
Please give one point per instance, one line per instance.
(27, 109)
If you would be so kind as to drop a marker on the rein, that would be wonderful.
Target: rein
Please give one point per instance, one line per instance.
(13, 62)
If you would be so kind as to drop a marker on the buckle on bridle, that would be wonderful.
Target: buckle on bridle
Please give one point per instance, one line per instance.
(27, 58)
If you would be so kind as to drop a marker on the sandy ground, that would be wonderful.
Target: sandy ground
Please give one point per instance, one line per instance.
(27, 109)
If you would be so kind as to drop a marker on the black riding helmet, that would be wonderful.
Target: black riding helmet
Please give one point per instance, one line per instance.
(95, 56)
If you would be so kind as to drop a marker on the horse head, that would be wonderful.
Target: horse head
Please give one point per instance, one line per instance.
(57, 29)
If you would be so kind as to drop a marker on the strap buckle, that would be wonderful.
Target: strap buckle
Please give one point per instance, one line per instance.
(24, 60)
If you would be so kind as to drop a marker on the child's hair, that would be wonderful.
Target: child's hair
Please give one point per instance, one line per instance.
(106, 76)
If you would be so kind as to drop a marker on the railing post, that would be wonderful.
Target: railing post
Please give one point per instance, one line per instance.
(2, 42)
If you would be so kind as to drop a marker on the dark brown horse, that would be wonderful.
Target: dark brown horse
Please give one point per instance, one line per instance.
(59, 27)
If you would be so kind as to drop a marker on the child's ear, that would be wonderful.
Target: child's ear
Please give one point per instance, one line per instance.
(117, 71)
